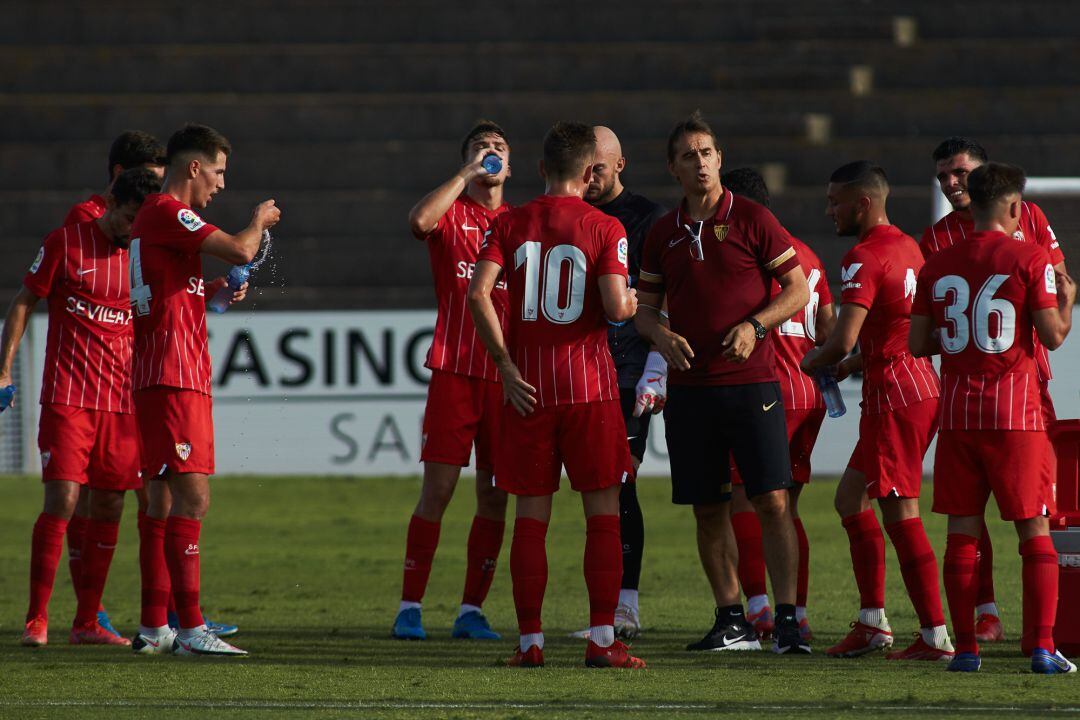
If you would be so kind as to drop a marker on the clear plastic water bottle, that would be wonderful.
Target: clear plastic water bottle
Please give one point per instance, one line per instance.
(492, 163)
(830, 390)
(236, 277)
(6, 396)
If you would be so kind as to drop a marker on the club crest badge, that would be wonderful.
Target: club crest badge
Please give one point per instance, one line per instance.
(721, 232)
(45, 458)
(183, 450)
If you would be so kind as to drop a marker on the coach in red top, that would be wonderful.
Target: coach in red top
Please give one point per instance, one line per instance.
(980, 303)
(715, 258)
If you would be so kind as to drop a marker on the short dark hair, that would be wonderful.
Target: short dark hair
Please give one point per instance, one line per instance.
(134, 184)
(480, 128)
(568, 148)
(959, 144)
(694, 123)
(989, 183)
(193, 138)
(135, 148)
(748, 183)
(863, 175)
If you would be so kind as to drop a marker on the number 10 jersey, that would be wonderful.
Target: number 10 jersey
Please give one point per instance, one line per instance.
(553, 251)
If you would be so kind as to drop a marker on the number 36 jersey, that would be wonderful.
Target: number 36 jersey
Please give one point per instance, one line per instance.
(552, 251)
(980, 293)
(168, 297)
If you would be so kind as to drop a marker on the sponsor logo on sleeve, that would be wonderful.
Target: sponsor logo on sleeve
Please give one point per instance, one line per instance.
(189, 219)
(624, 250)
(37, 260)
(1051, 231)
(484, 244)
(1051, 280)
(847, 275)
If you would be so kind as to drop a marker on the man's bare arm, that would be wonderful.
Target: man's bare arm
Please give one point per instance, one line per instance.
(620, 302)
(840, 342)
(18, 317)
(652, 326)
(241, 248)
(921, 339)
(1052, 325)
(425, 215)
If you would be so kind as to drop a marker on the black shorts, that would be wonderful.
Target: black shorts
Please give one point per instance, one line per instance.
(708, 425)
(637, 428)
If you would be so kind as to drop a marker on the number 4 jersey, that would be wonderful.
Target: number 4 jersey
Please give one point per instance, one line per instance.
(168, 297)
(980, 293)
(552, 251)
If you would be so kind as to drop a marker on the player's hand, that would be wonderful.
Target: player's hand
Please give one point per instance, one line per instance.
(673, 348)
(809, 363)
(474, 168)
(632, 293)
(651, 390)
(240, 294)
(516, 391)
(266, 215)
(1066, 289)
(740, 342)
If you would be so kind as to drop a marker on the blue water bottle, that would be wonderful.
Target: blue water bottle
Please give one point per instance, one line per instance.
(492, 163)
(6, 396)
(236, 277)
(830, 390)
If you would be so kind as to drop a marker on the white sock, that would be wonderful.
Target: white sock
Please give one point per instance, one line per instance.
(800, 613)
(531, 639)
(602, 635)
(936, 637)
(874, 617)
(756, 604)
(466, 609)
(406, 604)
(628, 598)
(987, 609)
(188, 633)
(151, 632)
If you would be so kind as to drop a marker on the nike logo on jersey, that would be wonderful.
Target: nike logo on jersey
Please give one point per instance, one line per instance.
(676, 241)
(467, 227)
(846, 273)
(81, 272)
(653, 379)
(767, 408)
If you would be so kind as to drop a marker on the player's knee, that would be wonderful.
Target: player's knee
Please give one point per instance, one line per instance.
(490, 501)
(710, 518)
(108, 506)
(771, 504)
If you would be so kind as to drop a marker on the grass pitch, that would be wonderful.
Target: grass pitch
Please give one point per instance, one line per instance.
(310, 569)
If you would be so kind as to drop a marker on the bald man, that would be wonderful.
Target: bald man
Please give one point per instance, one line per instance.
(642, 374)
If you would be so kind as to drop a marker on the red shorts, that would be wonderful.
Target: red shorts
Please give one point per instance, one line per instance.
(89, 447)
(970, 464)
(803, 427)
(177, 430)
(461, 411)
(891, 448)
(589, 439)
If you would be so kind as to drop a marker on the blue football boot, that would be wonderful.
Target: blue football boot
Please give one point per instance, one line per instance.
(407, 625)
(1044, 662)
(473, 626)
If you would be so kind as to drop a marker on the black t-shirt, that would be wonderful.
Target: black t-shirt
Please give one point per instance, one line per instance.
(637, 214)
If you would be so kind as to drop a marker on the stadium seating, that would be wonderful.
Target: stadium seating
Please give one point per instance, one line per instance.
(348, 112)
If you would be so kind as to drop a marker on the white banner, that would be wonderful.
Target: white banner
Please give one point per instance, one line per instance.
(342, 393)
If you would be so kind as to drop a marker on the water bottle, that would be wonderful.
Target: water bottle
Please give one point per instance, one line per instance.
(236, 277)
(830, 390)
(492, 163)
(6, 396)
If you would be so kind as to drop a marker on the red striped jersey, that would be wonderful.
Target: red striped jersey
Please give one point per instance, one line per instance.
(796, 337)
(89, 209)
(168, 296)
(880, 274)
(980, 293)
(453, 246)
(84, 276)
(553, 251)
(1034, 227)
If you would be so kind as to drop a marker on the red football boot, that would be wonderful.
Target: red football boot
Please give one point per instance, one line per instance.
(94, 634)
(921, 650)
(615, 656)
(988, 628)
(861, 640)
(36, 633)
(531, 658)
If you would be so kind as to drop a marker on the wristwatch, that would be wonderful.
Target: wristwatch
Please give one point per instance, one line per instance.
(759, 330)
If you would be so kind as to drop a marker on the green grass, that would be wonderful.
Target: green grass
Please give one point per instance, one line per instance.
(310, 569)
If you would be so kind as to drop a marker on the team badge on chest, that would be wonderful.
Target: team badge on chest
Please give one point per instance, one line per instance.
(183, 450)
(721, 232)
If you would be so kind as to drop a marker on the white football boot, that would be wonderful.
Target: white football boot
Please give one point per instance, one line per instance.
(202, 641)
(151, 641)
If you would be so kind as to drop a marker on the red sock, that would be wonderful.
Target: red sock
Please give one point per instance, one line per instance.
(986, 568)
(1040, 575)
(485, 541)
(603, 567)
(46, 547)
(961, 584)
(182, 557)
(867, 557)
(529, 572)
(803, 581)
(154, 572)
(751, 555)
(420, 544)
(76, 538)
(919, 568)
(97, 555)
